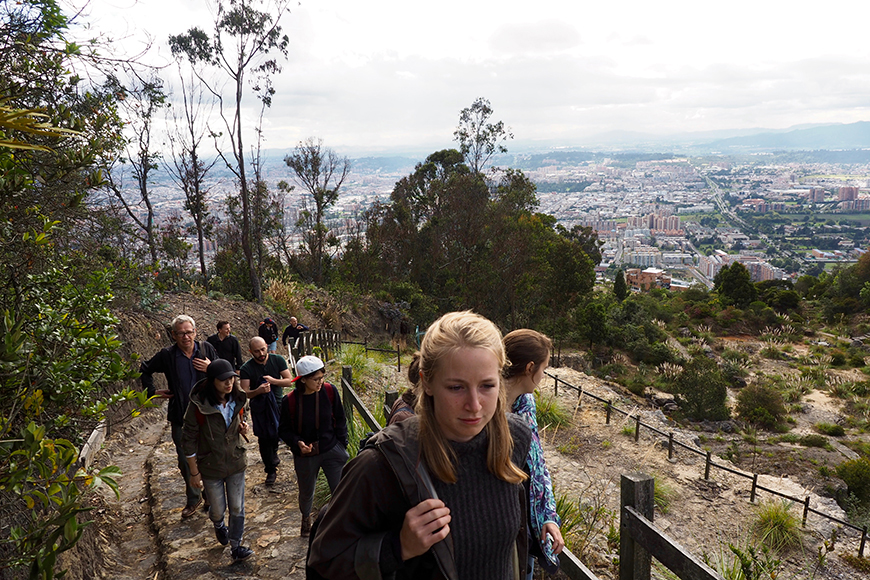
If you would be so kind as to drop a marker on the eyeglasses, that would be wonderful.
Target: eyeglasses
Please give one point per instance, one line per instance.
(186, 333)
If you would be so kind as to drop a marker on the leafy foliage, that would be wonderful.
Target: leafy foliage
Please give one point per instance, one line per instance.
(701, 390)
(761, 404)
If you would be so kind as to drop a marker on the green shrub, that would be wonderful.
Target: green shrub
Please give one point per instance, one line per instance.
(830, 429)
(702, 390)
(549, 413)
(816, 441)
(663, 495)
(761, 405)
(838, 358)
(776, 527)
(856, 474)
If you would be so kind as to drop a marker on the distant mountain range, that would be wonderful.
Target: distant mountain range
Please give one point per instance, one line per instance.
(835, 143)
(736, 141)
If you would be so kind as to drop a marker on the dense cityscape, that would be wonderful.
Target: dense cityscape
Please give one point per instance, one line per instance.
(669, 221)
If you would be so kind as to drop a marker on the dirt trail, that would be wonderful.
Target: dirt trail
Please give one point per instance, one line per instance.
(142, 536)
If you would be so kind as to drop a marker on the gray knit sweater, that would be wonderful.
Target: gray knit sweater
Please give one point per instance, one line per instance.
(483, 545)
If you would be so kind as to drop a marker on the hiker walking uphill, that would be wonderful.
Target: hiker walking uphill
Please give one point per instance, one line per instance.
(529, 354)
(313, 424)
(212, 438)
(268, 331)
(292, 333)
(184, 364)
(226, 345)
(264, 378)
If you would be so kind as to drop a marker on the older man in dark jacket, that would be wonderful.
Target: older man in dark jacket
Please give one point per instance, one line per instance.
(184, 364)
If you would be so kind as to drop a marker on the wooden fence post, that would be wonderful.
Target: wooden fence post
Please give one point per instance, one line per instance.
(670, 445)
(556, 386)
(754, 486)
(806, 512)
(347, 377)
(390, 397)
(707, 466)
(637, 428)
(607, 407)
(637, 491)
(863, 541)
(398, 359)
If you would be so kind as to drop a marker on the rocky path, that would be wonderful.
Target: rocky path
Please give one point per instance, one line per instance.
(143, 535)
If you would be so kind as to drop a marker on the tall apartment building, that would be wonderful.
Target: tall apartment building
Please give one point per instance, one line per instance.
(816, 194)
(847, 194)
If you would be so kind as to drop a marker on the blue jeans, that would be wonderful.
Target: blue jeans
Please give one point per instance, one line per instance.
(307, 469)
(230, 490)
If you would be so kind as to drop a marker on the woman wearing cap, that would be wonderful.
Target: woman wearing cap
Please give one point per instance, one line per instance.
(212, 442)
(438, 495)
(314, 426)
(528, 353)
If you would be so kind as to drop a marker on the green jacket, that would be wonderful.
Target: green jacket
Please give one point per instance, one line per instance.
(219, 449)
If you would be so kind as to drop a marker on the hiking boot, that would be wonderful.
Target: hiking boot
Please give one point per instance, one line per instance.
(270, 478)
(306, 526)
(240, 553)
(222, 533)
(190, 509)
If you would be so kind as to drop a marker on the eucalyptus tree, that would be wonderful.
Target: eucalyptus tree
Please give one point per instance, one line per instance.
(140, 99)
(478, 138)
(243, 45)
(321, 172)
(190, 166)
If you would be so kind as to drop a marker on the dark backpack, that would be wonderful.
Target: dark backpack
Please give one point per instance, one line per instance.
(290, 398)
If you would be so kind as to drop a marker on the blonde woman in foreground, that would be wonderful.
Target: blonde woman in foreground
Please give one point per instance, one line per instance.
(438, 495)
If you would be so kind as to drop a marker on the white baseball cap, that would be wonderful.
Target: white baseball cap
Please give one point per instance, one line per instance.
(307, 365)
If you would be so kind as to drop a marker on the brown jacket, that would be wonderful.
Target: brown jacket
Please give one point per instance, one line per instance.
(368, 508)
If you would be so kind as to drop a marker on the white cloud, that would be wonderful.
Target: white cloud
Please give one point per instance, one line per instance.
(390, 73)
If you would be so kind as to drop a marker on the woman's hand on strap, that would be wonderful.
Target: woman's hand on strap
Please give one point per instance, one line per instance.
(556, 534)
(425, 525)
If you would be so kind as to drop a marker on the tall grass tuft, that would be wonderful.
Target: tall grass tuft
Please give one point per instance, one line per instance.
(664, 494)
(549, 412)
(776, 527)
(354, 356)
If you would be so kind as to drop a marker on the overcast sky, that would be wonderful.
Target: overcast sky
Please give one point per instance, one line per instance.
(381, 75)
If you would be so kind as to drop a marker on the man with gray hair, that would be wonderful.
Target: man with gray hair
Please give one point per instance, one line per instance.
(184, 364)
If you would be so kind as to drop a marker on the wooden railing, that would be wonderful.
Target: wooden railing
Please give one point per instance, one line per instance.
(365, 345)
(640, 540)
(709, 464)
(639, 537)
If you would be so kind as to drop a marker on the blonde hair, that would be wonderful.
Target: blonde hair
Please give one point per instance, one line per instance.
(452, 332)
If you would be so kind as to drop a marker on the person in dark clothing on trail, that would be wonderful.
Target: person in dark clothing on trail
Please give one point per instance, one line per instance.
(184, 364)
(226, 345)
(292, 332)
(264, 377)
(314, 425)
(268, 331)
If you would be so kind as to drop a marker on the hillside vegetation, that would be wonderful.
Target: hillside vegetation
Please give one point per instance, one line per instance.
(82, 256)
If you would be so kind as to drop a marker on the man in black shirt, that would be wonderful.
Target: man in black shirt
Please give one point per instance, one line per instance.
(184, 364)
(226, 345)
(291, 334)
